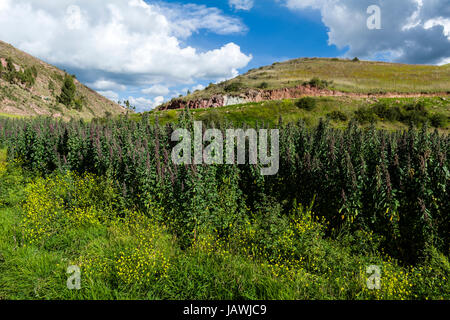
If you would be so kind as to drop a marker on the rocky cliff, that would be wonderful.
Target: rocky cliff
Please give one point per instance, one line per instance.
(258, 95)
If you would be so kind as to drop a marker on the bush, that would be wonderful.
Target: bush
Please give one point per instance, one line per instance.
(383, 111)
(26, 77)
(213, 116)
(365, 115)
(415, 113)
(439, 120)
(318, 83)
(337, 116)
(78, 104)
(307, 103)
(263, 85)
(68, 91)
(234, 87)
(57, 203)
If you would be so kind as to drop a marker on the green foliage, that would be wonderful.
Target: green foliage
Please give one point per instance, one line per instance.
(51, 87)
(412, 113)
(234, 87)
(318, 83)
(129, 106)
(79, 103)
(439, 120)
(125, 254)
(337, 116)
(370, 191)
(68, 91)
(307, 103)
(263, 85)
(10, 65)
(26, 77)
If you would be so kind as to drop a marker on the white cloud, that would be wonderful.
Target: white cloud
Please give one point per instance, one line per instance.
(142, 103)
(413, 31)
(241, 4)
(444, 61)
(111, 95)
(156, 90)
(158, 101)
(198, 87)
(123, 43)
(103, 84)
(440, 21)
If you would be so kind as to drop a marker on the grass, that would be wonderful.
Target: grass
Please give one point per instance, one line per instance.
(6, 115)
(270, 112)
(345, 75)
(116, 254)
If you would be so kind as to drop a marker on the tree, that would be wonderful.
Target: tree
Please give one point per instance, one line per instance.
(68, 91)
(10, 65)
(129, 106)
(51, 87)
(10, 71)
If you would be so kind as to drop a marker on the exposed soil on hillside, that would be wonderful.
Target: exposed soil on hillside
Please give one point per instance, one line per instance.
(254, 95)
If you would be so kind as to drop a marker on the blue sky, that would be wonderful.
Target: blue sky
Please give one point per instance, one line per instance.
(274, 33)
(151, 51)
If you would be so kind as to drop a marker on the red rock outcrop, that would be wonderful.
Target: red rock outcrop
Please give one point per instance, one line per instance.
(257, 95)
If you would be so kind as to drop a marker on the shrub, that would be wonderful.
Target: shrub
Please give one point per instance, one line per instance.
(438, 120)
(51, 87)
(318, 83)
(365, 115)
(68, 91)
(57, 203)
(383, 111)
(172, 114)
(234, 87)
(213, 116)
(263, 85)
(78, 104)
(337, 116)
(415, 113)
(307, 103)
(26, 77)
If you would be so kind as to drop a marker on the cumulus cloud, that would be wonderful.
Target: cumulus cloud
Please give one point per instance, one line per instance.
(156, 90)
(198, 87)
(111, 95)
(142, 103)
(122, 43)
(413, 31)
(103, 84)
(241, 4)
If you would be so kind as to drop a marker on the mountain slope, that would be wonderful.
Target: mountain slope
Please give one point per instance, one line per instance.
(333, 77)
(40, 95)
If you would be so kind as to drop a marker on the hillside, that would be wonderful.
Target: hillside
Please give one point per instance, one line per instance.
(38, 88)
(322, 77)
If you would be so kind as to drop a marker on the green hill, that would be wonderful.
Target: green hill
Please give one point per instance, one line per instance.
(31, 87)
(341, 75)
(391, 96)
